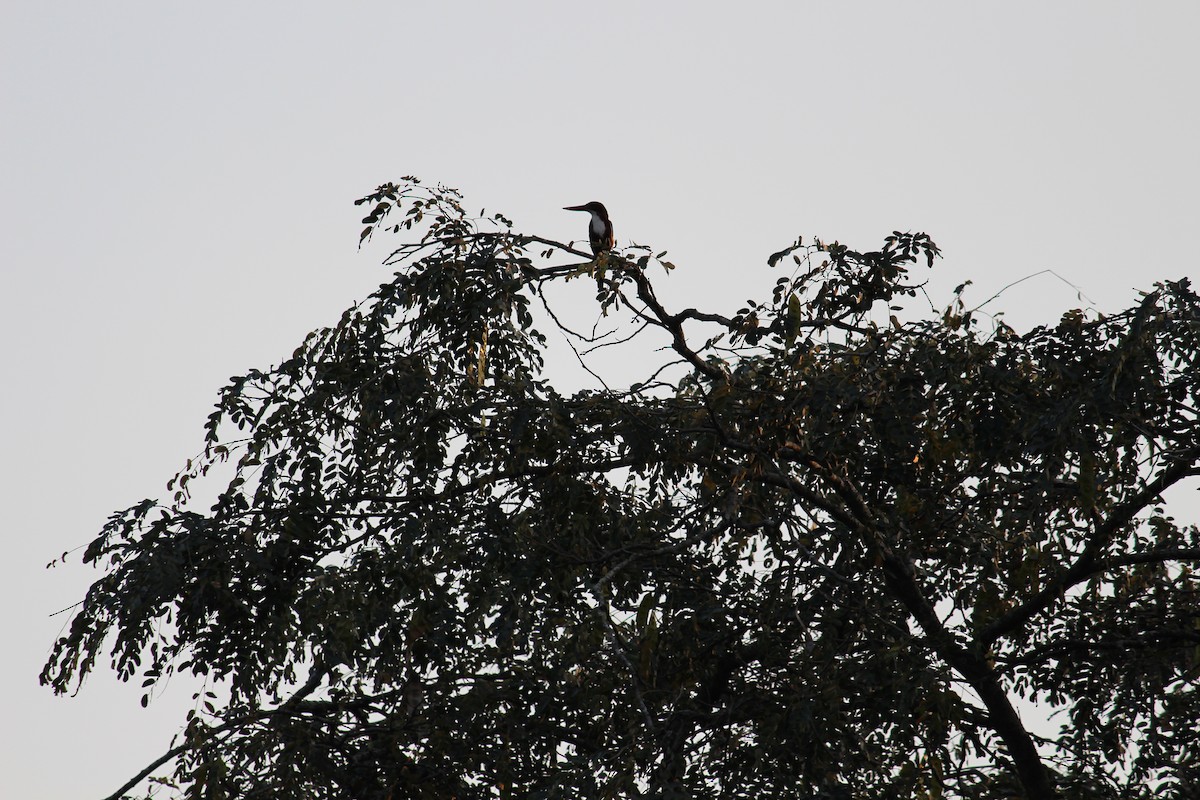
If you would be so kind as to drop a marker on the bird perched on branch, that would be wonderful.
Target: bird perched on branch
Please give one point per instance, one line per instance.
(600, 229)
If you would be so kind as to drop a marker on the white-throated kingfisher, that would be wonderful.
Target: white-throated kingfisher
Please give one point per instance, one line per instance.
(600, 230)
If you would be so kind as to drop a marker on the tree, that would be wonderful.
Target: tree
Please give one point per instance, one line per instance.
(810, 554)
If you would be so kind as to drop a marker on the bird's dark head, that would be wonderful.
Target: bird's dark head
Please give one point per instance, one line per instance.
(594, 207)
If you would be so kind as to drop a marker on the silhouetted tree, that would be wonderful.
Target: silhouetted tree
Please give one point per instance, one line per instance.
(809, 554)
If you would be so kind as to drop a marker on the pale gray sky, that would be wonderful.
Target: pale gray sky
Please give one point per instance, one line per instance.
(176, 187)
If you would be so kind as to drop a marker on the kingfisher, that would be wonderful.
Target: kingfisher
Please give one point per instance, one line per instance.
(600, 230)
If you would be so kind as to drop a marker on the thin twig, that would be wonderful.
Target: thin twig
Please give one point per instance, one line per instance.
(1091, 302)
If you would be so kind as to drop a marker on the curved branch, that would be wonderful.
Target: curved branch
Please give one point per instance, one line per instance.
(1090, 561)
(901, 580)
(1151, 557)
(671, 323)
(309, 686)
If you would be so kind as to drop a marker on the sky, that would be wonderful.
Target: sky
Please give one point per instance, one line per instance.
(176, 187)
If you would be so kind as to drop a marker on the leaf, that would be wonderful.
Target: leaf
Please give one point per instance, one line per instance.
(645, 609)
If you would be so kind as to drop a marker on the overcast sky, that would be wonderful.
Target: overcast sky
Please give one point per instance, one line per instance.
(176, 189)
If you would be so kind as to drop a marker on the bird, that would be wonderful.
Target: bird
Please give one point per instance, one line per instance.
(600, 230)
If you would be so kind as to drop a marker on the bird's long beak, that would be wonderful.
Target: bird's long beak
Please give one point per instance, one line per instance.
(574, 208)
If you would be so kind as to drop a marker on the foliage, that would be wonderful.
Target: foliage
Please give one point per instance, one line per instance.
(816, 556)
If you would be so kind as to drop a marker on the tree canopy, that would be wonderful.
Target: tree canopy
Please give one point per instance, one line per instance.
(822, 548)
